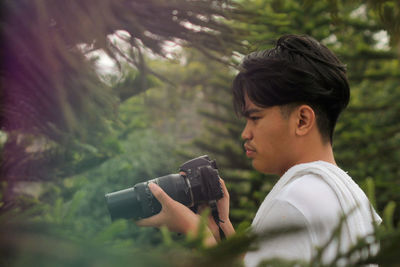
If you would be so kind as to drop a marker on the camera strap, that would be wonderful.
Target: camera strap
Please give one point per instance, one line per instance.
(215, 214)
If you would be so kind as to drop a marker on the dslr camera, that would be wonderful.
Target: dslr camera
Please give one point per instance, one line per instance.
(197, 183)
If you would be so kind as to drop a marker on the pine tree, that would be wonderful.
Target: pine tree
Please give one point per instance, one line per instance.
(54, 105)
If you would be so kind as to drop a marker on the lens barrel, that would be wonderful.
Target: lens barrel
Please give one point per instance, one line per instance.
(138, 202)
(123, 204)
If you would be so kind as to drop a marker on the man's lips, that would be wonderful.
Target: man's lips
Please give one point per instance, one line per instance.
(249, 150)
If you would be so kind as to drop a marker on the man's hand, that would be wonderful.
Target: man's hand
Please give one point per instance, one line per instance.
(223, 211)
(175, 216)
(179, 218)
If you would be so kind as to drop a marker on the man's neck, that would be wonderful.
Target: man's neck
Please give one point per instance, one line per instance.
(313, 152)
(323, 152)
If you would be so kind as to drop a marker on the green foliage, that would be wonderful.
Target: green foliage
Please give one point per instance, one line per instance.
(46, 244)
(388, 12)
(89, 135)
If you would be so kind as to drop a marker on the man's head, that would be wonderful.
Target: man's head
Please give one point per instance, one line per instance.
(302, 79)
(299, 70)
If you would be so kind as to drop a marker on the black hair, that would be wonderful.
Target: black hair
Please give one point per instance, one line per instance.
(298, 70)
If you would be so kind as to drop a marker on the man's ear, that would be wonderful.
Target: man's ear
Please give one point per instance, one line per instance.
(305, 120)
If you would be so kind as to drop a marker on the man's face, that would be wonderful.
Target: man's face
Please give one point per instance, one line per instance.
(269, 138)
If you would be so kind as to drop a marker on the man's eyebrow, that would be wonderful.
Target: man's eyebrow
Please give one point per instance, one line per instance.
(248, 112)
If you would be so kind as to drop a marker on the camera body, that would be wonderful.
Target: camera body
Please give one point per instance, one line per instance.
(197, 183)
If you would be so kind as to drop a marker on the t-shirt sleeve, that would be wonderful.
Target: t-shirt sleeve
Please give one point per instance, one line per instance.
(291, 245)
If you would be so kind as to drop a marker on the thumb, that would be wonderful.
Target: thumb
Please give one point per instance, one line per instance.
(154, 221)
(158, 193)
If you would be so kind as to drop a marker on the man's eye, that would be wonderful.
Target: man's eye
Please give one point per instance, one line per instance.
(254, 118)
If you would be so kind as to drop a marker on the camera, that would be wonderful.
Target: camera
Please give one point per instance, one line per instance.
(197, 183)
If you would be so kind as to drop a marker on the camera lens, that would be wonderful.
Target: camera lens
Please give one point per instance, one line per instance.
(138, 202)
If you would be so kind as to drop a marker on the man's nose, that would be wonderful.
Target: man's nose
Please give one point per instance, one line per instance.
(246, 133)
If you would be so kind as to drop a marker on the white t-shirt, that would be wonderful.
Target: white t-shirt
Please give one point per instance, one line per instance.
(306, 201)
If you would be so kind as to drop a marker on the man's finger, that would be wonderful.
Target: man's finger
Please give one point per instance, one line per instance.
(158, 193)
(223, 187)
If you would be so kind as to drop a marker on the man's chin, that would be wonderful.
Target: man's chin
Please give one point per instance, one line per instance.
(257, 165)
(262, 167)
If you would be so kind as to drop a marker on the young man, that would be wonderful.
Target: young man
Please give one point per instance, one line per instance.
(291, 97)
